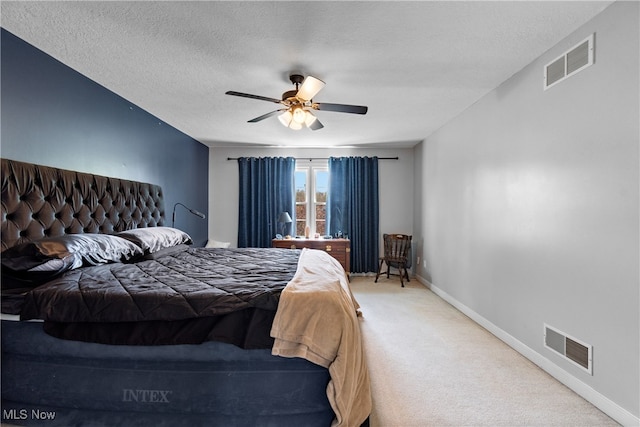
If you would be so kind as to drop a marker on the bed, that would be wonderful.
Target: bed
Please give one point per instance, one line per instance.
(112, 318)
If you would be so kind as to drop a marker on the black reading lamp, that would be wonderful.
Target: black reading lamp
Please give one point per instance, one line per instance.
(193, 211)
(284, 219)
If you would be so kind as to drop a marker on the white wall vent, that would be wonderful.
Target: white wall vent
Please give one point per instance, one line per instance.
(569, 63)
(575, 351)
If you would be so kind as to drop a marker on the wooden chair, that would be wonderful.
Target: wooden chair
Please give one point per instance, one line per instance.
(397, 252)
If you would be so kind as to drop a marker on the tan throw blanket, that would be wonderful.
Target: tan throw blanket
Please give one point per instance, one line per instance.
(317, 319)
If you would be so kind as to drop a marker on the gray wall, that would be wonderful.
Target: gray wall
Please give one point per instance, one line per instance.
(527, 208)
(395, 185)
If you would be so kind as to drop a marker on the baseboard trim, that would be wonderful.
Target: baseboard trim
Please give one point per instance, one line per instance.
(600, 401)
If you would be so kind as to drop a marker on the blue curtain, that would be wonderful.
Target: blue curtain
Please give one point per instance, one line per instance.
(266, 190)
(352, 208)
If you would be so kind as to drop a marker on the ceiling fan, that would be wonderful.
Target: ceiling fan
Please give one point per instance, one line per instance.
(298, 104)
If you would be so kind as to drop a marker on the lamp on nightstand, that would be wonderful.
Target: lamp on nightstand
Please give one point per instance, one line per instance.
(284, 218)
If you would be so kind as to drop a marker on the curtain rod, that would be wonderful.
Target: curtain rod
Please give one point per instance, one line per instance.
(323, 158)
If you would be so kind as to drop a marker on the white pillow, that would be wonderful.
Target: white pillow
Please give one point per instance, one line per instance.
(217, 244)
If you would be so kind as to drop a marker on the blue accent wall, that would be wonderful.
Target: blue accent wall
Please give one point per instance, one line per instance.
(52, 115)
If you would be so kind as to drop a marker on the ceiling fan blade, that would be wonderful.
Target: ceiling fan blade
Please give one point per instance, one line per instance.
(248, 95)
(266, 116)
(341, 108)
(310, 88)
(316, 125)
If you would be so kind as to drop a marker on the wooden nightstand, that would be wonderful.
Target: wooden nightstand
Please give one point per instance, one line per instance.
(340, 249)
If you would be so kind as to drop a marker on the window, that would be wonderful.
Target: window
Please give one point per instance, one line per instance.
(312, 186)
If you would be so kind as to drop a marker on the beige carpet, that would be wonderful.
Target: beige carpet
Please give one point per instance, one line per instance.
(431, 365)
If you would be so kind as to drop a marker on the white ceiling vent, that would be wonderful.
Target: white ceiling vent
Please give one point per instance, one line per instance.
(569, 63)
(575, 351)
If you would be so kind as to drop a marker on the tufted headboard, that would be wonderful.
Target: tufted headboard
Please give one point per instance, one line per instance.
(41, 201)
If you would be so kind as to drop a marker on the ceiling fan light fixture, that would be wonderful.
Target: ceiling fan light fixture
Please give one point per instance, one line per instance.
(285, 118)
(310, 88)
(299, 115)
(310, 119)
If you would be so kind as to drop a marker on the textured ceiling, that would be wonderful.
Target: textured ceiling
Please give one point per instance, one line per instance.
(415, 65)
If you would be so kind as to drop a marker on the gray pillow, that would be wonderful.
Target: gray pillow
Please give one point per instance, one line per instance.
(153, 239)
(68, 252)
